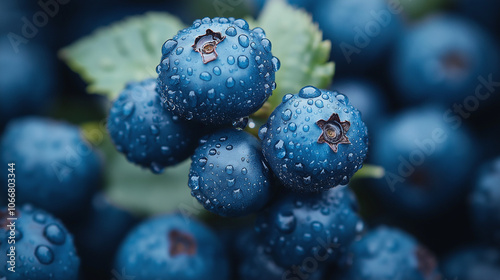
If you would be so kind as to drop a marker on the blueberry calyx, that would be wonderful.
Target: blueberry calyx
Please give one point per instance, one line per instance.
(181, 243)
(206, 45)
(334, 132)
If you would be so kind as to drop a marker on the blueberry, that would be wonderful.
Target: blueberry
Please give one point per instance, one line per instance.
(361, 31)
(314, 140)
(99, 233)
(388, 253)
(228, 175)
(172, 247)
(366, 96)
(472, 263)
(216, 71)
(43, 247)
(257, 264)
(427, 162)
(481, 11)
(485, 202)
(28, 81)
(445, 59)
(301, 227)
(55, 168)
(146, 133)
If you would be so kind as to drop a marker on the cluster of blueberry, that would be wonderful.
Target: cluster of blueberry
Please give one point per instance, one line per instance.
(295, 178)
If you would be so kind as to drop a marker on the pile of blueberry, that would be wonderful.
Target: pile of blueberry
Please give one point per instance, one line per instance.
(286, 201)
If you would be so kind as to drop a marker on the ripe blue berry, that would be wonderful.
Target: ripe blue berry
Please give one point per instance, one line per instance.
(298, 227)
(485, 202)
(146, 133)
(43, 247)
(388, 253)
(314, 140)
(228, 175)
(172, 247)
(18, 97)
(257, 264)
(426, 160)
(216, 71)
(55, 168)
(472, 263)
(445, 59)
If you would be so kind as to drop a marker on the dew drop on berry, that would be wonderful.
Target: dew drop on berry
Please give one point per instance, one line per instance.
(230, 82)
(217, 71)
(194, 182)
(243, 40)
(40, 218)
(44, 254)
(202, 161)
(205, 76)
(128, 109)
(276, 63)
(231, 60)
(229, 169)
(241, 23)
(212, 152)
(262, 132)
(266, 44)
(231, 31)
(286, 98)
(286, 222)
(54, 234)
(287, 115)
(168, 46)
(244, 171)
(309, 92)
(243, 61)
(279, 147)
(179, 50)
(319, 104)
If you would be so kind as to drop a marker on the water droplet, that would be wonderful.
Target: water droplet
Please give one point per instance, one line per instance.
(262, 132)
(276, 63)
(205, 76)
(237, 193)
(217, 71)
(40, 218)
(266, 44)
(243, 40)
(168, 46)
(212, 152)
(179, 50)
(305, 128)
(128, 109)
(231, 60)
(231, 31)
(202, 161)
(230, 82)
(350, 156)
(309, 92)
(319, 103)
(280, 149)
(286, 222)
(211, 93)
(55, 234)
(229, 169)
(307, 180)
(230, 182)
(292, 127)
(287, 115)
(243, 61)
(241, 23)
(154, 129)
(244, 171)
(44, 254)
(286, 98)
(317, 226)
(229, 147)
(194, 182)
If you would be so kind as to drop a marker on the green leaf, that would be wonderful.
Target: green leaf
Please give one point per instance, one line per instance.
(126, 51)
(297, 42)
(369, 171)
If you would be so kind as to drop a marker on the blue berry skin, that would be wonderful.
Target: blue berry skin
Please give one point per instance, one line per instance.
(444, 59)
(361, 31)
(99, 234)
(18, 97)
(386, 253)
(472, 263)
(366, 96)
(228, 175)
(230, 75)
(257, 264)
(147, 134)
(298, 227)
(314, 140)
(427, 162)
(44, 248)
(55, 168)
(485, 203)
(172, 247)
